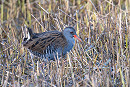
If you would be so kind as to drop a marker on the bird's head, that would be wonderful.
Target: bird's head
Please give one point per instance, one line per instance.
(70, 32)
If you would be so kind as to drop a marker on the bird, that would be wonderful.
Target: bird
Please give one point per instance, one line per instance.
(51, 44)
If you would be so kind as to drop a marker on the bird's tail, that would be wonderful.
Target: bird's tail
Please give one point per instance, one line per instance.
(27, 34)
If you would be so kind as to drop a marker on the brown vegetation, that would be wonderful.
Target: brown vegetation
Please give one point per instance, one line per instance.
(101, 60)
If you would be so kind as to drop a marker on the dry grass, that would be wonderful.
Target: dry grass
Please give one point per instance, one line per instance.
(101, 60)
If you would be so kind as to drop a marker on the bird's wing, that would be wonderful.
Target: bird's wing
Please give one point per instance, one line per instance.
(45, 41)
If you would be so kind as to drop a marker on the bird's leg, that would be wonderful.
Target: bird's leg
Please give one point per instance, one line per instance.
(32, 56)
(45, 62)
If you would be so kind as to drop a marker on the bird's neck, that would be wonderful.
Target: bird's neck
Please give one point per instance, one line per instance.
(70, 39)
(70, 44)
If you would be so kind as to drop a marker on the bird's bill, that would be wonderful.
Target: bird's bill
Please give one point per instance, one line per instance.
(75, 36)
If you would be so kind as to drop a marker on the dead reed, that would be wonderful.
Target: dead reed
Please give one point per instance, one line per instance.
(101, 60)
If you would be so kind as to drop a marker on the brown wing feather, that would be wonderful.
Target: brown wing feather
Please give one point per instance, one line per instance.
(42, 41)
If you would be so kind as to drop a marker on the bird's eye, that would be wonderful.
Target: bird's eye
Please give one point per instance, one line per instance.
(71, 32)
